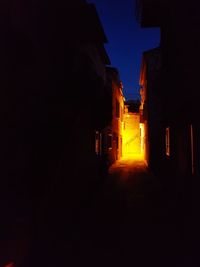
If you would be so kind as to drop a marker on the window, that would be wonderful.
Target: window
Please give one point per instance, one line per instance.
(109, 141)
(192, 147)
(117, 142)
(97, 150)
(167, 141)
(117, 109)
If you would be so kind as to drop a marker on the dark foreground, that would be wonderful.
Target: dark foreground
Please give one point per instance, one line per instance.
(128, 219)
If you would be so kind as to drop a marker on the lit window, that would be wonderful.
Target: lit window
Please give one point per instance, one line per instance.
(97, 150)
(110, 141)
(167, 141)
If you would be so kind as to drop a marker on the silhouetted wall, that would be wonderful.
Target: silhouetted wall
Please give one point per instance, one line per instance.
(151, 109)
(52, 101)
(113, 131)
(179, 90)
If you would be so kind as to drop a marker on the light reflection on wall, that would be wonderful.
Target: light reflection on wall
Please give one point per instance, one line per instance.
(142, 138)
(133, 136)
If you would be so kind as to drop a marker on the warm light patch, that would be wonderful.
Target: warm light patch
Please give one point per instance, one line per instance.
(133, 137)
(142, 139)
(11, 264)
(139, 156)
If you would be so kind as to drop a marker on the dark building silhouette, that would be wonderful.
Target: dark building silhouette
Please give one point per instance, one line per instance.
(175, 125)
(179, 24)
(53, 100)
(133, 105)
(151, 111)
(112, 136)
(177, 131)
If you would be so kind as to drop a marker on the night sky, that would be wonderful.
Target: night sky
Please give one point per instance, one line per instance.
(126, 40)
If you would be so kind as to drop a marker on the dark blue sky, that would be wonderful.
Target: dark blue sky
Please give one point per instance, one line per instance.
(126, 40)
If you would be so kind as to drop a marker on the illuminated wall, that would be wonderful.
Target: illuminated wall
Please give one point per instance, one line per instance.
(131, 134)
(113, 133)
(117, 120)
(143, 111)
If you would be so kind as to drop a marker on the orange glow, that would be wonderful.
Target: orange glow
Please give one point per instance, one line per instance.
(11, 264)
(133, 137)
(142, 138)
(133, 156)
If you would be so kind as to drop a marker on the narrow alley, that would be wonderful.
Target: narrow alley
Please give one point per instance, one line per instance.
(100, 145)
(126, 224)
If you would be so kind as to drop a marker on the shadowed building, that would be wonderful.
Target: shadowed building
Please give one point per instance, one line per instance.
(53, 99)
(112, 136)
(179, 24)
(151, 113)
(178, 145)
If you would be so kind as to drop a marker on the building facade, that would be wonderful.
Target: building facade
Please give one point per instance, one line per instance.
(53, 79)
(113, 133)
(132, 135)
(178, 23)
(151, 113)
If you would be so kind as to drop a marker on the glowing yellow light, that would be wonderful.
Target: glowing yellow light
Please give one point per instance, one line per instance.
(142, 137)
(133, 137)
(133, 156)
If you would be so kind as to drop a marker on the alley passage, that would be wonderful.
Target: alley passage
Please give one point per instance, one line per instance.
(125, 224)
(124, 221)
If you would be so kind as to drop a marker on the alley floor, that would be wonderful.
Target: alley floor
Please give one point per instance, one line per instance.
(128, 219)
(128, 224)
